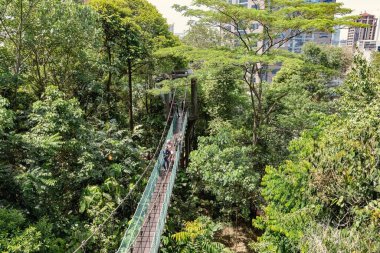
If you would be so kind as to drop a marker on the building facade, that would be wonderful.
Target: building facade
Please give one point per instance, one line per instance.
(295, 45)
(368, 47)
(254, 27)
(171, 28)
(255, 4)
(321, 1)
(356, 34)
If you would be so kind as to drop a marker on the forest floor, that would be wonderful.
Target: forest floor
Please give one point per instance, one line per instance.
(237, 238)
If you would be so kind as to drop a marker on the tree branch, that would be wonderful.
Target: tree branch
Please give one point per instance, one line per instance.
(236, 26)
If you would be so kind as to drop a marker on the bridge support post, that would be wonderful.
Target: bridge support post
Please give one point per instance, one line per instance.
(193, 116)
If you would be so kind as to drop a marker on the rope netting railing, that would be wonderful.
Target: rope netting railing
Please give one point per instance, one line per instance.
(160, 225)
(142, 209)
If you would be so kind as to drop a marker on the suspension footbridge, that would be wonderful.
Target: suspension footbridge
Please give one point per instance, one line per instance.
(144, 231)
(145, 228)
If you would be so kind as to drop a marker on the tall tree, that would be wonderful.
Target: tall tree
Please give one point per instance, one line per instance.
(14, 15)
(112, 15)
(280, 21)
(44, 46)
(132, 31)
(202, 36)
(57, 45)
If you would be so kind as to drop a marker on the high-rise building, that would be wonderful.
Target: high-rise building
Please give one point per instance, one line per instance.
(254, 27)
(368, 47)
(356, 34)
(321, 1)
(335, 39)
(295, 45)
(255, 4)
(252, 4)
(171, 28)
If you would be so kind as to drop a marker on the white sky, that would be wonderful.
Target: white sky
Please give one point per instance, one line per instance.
(173, 17)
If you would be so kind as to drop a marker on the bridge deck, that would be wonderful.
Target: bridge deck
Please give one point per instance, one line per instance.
(145, 238)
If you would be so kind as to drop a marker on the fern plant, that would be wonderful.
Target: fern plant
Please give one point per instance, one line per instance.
(197, 236)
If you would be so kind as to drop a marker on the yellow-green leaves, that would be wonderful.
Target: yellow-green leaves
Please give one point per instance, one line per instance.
(197, 236)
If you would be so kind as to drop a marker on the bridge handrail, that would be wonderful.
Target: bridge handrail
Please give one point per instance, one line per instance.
(138, 218)
(160, 225)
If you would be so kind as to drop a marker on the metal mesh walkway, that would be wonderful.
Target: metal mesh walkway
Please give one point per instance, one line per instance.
(147, 224)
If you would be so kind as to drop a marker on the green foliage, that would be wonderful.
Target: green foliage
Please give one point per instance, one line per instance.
(283, 231)
(361, 86)
(170, 59)
(62, 154)
(6, 116)
(56, 115)
(296, 101)
(287, 194)
(322, 238)
(255, 52)
(72, 75)
(280, 16)
(347, 175)
(10, 219)
(18, 236)
(224, 169)
(59, 42)
(300, 95)
(201, 36)
(28, 241)
(97, 200)
(132, 31)
(63, 131)
(47, 42)
(330, 57)
(198, 236)
(375, 61)
(223, 94)
(56, 132)
(333, 179)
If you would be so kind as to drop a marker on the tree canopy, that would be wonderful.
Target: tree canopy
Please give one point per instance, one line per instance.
(281, 150)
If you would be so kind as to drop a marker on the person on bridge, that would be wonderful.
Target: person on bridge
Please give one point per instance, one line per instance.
(167, 154)
(172, 155)
(175, 108)
(183, 105)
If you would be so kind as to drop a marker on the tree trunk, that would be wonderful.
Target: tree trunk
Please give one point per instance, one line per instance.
(253, 93)
(193, 117)
(194, 99)
(19, 46)
(130, 100)
(254, 122)
(258, 114)
(109, 81)
(40, 82)
(18, 54)
(254, 82)
(146, 97)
